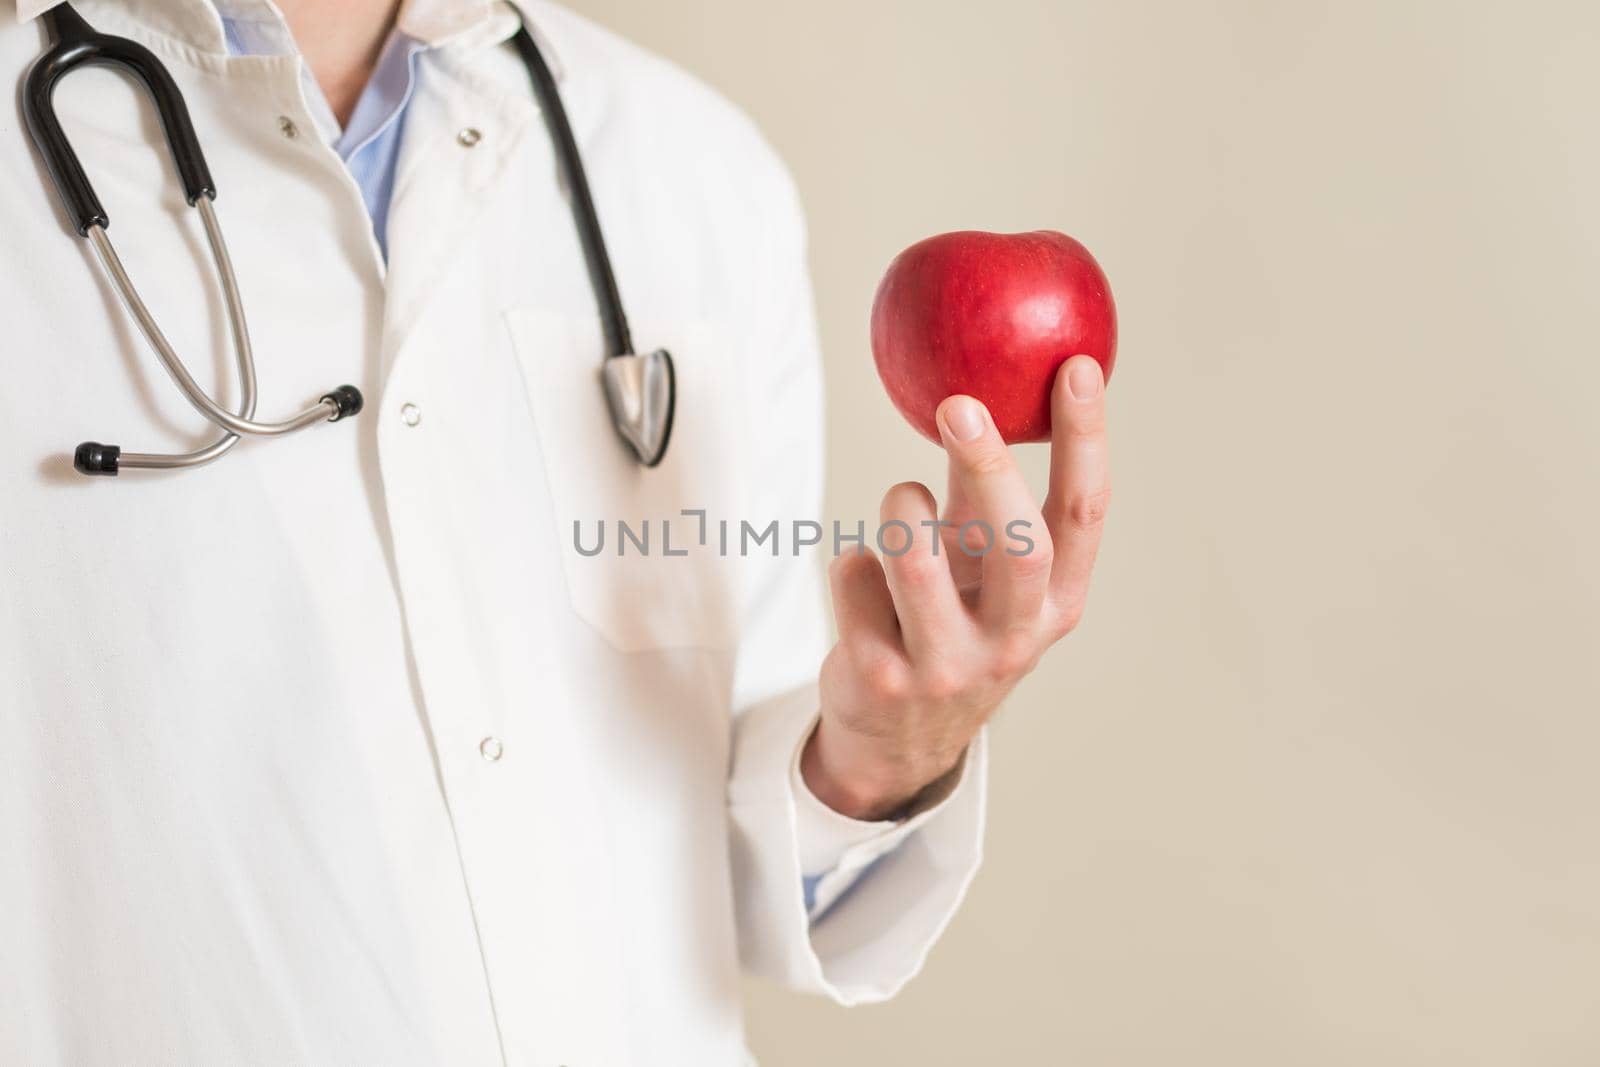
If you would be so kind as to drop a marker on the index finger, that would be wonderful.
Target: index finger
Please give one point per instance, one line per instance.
(1013, 589)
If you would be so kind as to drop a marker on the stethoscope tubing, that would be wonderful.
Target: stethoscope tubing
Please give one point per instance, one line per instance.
(77, 44)
(619, 339)
(241, 347)
(640, 390)
(322, 411)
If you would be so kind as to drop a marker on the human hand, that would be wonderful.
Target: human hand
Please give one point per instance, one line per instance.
(933, 639)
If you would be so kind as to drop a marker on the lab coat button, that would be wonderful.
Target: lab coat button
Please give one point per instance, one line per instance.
(287, 127)
(491, 749)
(469, 137)
(410, 414)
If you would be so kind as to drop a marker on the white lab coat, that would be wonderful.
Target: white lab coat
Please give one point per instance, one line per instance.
(246, 811)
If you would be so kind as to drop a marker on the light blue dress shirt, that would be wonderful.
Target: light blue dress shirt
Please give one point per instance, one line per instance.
(370, 143)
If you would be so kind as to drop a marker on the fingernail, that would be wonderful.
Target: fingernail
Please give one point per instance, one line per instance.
(1083, 378)
(963, 418)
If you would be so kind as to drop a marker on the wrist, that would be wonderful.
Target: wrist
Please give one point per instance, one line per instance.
(844, 775)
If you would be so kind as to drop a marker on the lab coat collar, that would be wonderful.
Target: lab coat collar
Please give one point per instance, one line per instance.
(196, 22)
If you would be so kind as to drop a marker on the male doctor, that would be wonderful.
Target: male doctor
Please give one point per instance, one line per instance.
(336, 750)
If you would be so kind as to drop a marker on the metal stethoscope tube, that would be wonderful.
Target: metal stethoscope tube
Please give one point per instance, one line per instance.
(241, 347)
(326, 409)
(95, 458)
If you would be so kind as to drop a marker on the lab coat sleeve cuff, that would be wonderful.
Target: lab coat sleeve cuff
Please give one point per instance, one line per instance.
(836, 850)
(872, 934)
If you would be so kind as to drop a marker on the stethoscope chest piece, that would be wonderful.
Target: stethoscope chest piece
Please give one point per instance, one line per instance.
(642, 394)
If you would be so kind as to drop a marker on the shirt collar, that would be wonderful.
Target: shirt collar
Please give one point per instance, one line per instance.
(431, 22)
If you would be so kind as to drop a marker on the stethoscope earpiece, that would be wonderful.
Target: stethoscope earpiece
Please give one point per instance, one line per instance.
(94, 458)
(346, 401)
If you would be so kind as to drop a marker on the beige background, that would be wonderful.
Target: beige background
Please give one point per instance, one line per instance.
(1315, 783)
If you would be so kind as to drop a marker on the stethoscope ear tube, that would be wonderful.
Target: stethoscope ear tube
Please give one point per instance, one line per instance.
(77, 45)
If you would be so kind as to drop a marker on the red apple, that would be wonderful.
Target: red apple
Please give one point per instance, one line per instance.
(991, 315)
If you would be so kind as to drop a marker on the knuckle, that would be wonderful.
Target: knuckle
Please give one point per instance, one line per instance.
(988, 459)
(1087, 511)
(941, 685)
(886, 681)
(1084, 421)
(1036, 563)
(1014, 655)
(1067, 616)
(917, 571)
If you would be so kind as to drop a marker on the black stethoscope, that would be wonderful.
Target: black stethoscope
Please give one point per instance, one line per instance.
(640, 390)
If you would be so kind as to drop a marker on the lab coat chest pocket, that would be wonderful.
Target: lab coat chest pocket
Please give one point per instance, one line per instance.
(639, 570)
